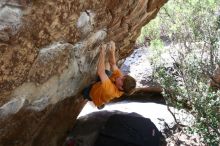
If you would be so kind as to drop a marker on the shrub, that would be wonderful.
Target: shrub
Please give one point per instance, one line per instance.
(194, 28)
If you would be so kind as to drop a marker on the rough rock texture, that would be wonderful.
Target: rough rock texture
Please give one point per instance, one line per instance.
(48, 53)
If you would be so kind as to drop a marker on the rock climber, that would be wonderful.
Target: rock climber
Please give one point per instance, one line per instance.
(109, 84)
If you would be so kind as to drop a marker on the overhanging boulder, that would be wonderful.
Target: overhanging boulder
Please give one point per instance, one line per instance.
(48, 53)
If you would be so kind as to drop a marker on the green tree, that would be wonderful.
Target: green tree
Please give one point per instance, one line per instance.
(193, 26)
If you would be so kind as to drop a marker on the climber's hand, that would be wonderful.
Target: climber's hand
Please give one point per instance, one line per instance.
(112, 46)
(103, 48)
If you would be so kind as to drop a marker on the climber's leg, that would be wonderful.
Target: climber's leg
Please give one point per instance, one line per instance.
(86, 92)
(87, 89)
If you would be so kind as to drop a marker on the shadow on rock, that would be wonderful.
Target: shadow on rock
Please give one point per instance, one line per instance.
(114, 128)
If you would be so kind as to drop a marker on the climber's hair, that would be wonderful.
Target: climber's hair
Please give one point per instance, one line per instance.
(129, 84)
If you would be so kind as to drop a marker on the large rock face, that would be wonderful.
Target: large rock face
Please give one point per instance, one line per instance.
(48, 53)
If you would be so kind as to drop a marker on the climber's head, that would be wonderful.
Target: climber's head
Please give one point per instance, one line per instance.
(125, 83)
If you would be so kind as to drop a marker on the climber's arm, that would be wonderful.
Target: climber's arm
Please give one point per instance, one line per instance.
(101, 64)
(112, 60)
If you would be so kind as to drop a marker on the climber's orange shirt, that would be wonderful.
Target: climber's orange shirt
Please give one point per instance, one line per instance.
(103, 92)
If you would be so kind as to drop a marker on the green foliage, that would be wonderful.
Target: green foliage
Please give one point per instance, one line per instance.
(156, 44)
(148, 32)
(190, 88)
(194, 28)
(193, 18)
